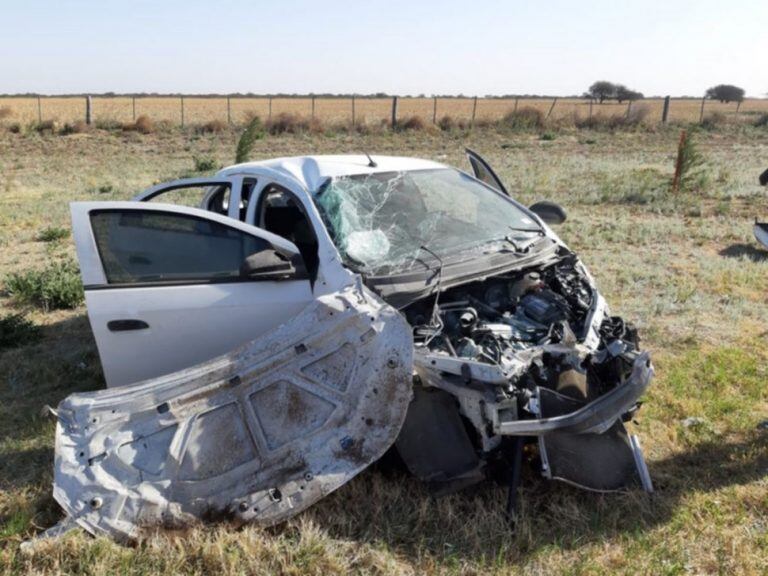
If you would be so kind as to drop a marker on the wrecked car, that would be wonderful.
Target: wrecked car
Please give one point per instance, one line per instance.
(269, 332)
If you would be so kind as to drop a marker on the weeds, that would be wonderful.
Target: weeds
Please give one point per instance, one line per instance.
(525, 118)
(253, 132)
(205, 164)
(212, 127)
(288, 123)
(77, 127)
(16, 330)
(142, 125)
(690, 167)
(5, 112)
(412, 123)
(56, 286)
(52, 234)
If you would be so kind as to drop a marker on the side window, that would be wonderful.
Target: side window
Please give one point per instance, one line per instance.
(280, 213)
(138, 246)
(215, 197)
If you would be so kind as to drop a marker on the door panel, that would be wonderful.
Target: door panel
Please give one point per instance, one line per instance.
(484, 172)
(164, 290)
(258, 434)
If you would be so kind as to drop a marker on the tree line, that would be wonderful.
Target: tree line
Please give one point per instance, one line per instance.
(603, 90)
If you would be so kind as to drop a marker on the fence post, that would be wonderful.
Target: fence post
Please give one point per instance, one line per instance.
(591, 102)
(313, 106)
(665, 111)
(353, 110)
(551, 108)
(434, 110)
(394, 112)
(701, 115)
(39, 111)
(474, 111)
(229, 111)
(133, 106)
(182, 111)
(679, 161)
(270, 107)
(516, 99)
(88, 110)
(629, 108)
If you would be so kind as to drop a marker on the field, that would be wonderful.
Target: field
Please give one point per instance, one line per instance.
(683, 267)
(197, 110)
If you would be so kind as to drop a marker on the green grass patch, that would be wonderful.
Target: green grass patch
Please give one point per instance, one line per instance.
(57, 286)
(52, 234)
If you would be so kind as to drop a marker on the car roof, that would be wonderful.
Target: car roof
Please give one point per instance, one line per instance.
(312, 171)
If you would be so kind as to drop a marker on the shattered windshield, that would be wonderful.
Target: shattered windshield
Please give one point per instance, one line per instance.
(380, 222)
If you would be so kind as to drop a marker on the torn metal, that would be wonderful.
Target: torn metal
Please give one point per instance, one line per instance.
(257, 435)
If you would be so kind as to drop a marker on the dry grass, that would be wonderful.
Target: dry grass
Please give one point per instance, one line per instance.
(684, 268)
(199, 110)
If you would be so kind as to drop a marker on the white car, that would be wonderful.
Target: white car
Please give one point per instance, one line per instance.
(264, 347)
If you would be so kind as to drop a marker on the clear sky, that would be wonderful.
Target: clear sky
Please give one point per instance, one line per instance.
(402, 47)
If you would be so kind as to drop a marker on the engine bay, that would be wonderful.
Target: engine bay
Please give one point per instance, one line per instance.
(524, 355)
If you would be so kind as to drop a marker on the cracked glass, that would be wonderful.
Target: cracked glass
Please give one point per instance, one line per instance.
(382, 222)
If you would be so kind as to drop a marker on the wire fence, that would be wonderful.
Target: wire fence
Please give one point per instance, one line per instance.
(190, 110)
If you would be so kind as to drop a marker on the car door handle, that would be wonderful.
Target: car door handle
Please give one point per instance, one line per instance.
(126, 324)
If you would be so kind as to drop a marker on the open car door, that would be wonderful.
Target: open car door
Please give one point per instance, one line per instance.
(483, 171)
(258, 434)
(168, 287)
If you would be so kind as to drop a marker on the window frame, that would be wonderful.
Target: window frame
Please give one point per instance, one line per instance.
(186, 281)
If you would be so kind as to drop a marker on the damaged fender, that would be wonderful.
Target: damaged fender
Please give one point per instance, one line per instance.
(259, 434)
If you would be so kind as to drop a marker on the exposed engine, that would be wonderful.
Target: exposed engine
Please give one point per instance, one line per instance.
(515, 352)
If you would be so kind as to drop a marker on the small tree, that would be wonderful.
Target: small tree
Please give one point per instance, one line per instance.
(601, 90)
(623, 93)
(725, 93)
(254, 131)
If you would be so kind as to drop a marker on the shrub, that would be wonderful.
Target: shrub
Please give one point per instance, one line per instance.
(77, 127)
(446, 123)
(761, 121)
(205, 164)
(253, 132)
(289, 123)
(143, 125)
(56, 286)
(109, 125)
(691, 166)
(525, 118)
(212, 127)
(548, 136)
(46, 126)
(713, 120)
(412, 123)
(16, 330)
(14, 128)
(52, 234)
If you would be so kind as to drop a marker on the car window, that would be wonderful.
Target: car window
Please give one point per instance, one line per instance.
(217, 197)
(138, 246)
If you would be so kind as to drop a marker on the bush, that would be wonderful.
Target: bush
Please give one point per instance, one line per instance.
(548, 136)
(143, 125)
(412, 123)
(693, 174)
(205, 164)
(109, 125)
(288, 123)
(54, 287)
(78, 127)
(713, 121)
(212, 127)
(761, 121)
(16, 330)
(52, 234)
(14, 128)
(254, 131)
(525, 118)
(46, 126)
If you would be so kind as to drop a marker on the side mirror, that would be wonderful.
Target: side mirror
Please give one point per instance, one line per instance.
(270, 264)
(550, 212)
